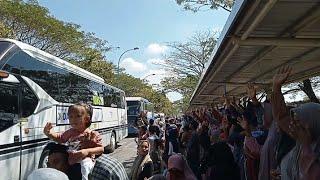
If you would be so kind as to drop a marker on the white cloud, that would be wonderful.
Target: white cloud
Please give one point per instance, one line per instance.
(156, 49)
(132, 66)
(154, 79)
(174, 96)
(155, 61)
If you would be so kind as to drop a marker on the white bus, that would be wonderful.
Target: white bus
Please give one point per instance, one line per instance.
(36, 88)
(135, 105)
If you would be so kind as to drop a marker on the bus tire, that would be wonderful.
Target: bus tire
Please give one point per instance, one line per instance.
(44, 158)
(113, 143)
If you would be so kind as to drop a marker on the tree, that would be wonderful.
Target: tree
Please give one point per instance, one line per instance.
(186, 62)
(136, 87)
(196, 5)
(31, 23)
(307, 86)
(188, 59)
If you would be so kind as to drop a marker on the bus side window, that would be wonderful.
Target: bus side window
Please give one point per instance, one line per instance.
(118, 99)
(8, 105)
(107, 96)
(123, 101)
(29, 100)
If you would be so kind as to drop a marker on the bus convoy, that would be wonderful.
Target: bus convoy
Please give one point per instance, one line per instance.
(36, 88)
(135, 106)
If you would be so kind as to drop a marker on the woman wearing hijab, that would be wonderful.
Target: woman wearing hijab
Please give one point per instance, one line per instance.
(303, 125)
(142, 166)
(178, 169)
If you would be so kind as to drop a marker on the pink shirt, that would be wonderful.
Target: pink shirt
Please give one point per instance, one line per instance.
(76, 140)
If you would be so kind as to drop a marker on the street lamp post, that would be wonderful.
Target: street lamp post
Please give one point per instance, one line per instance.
(118, 69)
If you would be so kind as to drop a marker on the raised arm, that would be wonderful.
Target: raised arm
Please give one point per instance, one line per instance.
(48, 131)
(251, 91)
(279, 109)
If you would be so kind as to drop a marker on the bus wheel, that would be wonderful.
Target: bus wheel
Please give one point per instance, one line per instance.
(44, 159)
(113, 143)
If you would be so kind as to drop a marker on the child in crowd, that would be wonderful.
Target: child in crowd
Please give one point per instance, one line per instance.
(83, 143)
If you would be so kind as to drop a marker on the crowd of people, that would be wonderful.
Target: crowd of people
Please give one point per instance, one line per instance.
(241, 140)
(245, 139)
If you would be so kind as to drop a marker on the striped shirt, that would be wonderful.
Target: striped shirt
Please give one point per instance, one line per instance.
(107, 167)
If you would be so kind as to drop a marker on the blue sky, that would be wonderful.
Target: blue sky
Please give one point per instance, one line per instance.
(147, 24)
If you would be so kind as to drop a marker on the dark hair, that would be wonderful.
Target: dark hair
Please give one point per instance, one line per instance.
(152, 129)
(57, 148)
(194, 124)
(88, 109)
(151, 121)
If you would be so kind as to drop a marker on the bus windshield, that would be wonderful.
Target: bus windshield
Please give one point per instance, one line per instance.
(133, 108)
(3, 47)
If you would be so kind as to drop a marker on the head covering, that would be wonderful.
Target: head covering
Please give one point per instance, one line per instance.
(176, 161)
(308, 114)
(139, 162)
(47, 174)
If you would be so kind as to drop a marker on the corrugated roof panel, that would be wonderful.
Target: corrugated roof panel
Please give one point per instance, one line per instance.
(263, 36)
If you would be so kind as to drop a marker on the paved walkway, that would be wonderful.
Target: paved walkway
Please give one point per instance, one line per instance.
(126, 153)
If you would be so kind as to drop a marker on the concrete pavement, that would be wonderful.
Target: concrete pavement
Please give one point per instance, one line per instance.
(126, 152)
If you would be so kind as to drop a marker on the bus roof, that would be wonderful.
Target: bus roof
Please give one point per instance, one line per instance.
(137, 99)
(48, 58)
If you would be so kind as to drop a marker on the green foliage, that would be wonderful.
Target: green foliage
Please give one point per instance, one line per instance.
(185, 85)
(137, 88)
(186, 62)
(196, 5)
(31, 23)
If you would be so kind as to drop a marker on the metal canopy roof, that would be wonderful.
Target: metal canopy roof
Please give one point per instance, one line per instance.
(259, 37)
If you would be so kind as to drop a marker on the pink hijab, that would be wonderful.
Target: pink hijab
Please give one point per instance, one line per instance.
(176, 161)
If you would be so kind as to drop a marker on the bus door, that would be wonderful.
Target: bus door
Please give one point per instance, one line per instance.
(10, 131)
(17, 102)
(133, 111)
(122, 115)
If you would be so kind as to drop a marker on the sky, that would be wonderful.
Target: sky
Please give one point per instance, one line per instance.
(146, 24)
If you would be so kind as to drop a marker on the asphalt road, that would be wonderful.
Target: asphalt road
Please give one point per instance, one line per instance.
(126, 152)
